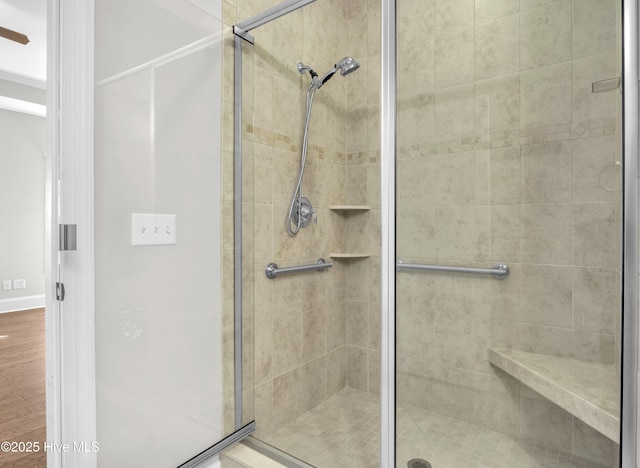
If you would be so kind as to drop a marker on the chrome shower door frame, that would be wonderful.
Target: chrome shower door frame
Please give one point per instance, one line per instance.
(388, 233)
(241, 33)
(629, 406)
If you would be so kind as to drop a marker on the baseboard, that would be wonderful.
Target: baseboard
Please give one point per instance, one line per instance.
(14, 304)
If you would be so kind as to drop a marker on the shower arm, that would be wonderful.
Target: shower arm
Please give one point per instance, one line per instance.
(302, 68)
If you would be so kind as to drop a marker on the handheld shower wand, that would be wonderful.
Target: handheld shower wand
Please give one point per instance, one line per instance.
(346, 66)
(300, 209)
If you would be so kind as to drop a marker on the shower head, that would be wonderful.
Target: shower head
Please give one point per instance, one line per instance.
(347, 65)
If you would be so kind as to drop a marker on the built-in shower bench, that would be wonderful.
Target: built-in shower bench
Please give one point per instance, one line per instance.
(588, 391)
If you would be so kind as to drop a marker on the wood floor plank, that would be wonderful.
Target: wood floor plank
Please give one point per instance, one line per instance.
(22, 385)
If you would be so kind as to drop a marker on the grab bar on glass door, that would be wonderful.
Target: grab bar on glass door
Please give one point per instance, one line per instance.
(272, 270)
(500, 271)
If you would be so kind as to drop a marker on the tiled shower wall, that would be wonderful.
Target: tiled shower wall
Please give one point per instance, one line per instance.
(363, 188)
(505, 155)
(299, 329)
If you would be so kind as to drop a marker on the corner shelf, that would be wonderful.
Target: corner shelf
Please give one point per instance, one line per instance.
(349, 208)
(588, 391)
(349, 255)
(347, 211)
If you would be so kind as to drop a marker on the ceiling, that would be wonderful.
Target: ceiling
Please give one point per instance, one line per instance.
(24, 61)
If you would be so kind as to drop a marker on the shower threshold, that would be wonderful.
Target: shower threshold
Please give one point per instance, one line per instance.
(279, 457)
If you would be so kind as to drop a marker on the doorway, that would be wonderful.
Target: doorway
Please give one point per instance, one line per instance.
(22, 235)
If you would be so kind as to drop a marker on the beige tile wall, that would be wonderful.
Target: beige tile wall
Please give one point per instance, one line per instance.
(297, 326)
(363, 188)
(503, 156)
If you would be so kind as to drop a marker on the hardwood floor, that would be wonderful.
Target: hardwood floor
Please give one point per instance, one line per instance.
(22, 386)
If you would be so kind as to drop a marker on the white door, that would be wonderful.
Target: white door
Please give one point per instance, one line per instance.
(71, 427)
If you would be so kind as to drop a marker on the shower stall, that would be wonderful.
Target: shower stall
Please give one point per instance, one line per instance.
(424, 262)
(500, 270)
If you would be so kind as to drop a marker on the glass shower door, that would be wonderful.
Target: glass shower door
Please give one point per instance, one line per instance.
(508, 297)
(164, 238)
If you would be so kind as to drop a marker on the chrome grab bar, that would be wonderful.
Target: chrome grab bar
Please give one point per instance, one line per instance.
(500, 271)
(272, 270)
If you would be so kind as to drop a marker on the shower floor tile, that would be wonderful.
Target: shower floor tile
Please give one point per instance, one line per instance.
(344, 431)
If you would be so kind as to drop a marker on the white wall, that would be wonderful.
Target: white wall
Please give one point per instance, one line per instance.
(158, 308)
(23, 92)
(22, 185)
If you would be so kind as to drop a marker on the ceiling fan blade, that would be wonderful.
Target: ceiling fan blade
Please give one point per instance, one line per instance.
(14, 36)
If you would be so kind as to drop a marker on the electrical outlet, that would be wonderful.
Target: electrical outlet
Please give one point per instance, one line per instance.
(6, 285)
(19, 284)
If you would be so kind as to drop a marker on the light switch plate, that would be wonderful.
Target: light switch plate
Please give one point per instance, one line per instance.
(153, 229)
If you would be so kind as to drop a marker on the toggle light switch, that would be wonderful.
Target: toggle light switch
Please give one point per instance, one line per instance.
(153, 229)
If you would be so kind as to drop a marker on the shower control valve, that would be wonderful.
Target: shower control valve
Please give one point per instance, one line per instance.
(303, 212)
